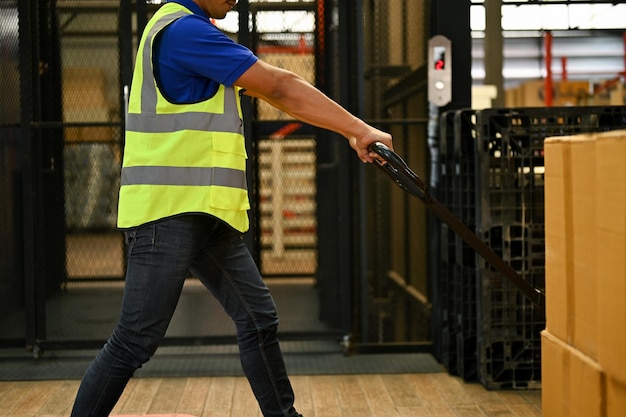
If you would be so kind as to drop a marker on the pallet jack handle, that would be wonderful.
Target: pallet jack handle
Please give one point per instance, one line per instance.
(395, 167)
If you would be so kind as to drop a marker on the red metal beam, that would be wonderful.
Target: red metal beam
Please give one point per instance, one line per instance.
(548, 82)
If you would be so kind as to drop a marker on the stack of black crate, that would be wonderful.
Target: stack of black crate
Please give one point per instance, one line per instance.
(465, 265)
(456, 283)
(493, 182)
(510, 219)
(444, 339)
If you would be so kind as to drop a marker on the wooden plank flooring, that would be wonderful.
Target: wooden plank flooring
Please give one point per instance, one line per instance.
(389, 395)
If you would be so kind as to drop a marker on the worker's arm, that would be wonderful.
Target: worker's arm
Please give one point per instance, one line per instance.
(296, 97)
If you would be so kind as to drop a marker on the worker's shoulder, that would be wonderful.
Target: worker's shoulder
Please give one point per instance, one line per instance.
(193, 25)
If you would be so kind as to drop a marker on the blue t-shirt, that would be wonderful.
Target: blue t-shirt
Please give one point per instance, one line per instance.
(192, 58)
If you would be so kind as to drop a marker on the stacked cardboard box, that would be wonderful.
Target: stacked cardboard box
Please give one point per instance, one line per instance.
(584, 344)
(85, 101)
(532, 94)
(567, 93)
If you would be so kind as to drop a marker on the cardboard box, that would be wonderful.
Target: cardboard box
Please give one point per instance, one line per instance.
(85, 101)
(570, 204)
(607, 93)
(615, 398)
(483, 96)
(532, 94)
(572, 383)
(584, 327)
(611, 251)
(584, 345)
(570, 93)
(558, 235)
(553, 375)
(512, 97)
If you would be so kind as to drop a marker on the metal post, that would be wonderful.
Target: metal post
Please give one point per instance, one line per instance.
(29, 68)
(494, 49)
(126, 53)
(142, 16)
(252, 238)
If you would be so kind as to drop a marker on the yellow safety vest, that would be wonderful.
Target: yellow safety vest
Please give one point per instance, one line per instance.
(180, 158)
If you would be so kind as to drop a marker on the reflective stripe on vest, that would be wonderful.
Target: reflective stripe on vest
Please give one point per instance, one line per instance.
(181, 158)
(183, 176)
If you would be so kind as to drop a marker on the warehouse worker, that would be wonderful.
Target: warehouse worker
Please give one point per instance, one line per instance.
(183, 198)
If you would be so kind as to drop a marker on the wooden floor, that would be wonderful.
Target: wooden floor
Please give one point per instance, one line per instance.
(386, 395)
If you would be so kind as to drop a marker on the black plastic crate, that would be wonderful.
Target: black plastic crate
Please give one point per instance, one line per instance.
(511, 364)
(447, 301)
(466, 345)
(457, 132)
(509, 332)
(510, 219)
(443, 305)
(465, 166)
(445, 186)
(465, 257)
(457, 260)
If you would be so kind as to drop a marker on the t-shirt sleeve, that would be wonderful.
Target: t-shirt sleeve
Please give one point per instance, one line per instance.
(192, 45)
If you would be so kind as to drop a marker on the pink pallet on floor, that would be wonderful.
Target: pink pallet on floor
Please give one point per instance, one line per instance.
(149, 415)
(153, 415)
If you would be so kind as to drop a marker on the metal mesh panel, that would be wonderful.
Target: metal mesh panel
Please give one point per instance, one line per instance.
(395, 36)
(11, 286)
(92, 139)
(286, 153)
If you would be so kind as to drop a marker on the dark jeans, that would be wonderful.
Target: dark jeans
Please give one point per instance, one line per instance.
(160, 257)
